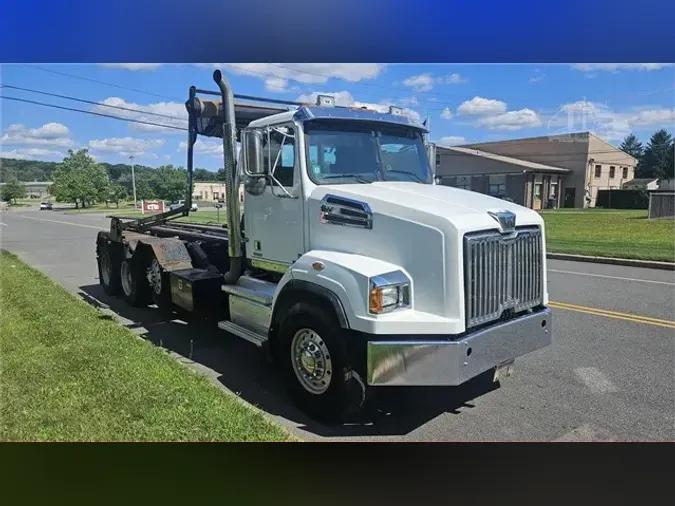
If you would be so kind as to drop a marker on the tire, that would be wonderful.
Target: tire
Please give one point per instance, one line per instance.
(135, 286)
(109, 269)
(343, 393)
(159, 285)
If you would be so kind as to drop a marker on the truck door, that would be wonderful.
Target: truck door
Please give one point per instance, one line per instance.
(273, 218)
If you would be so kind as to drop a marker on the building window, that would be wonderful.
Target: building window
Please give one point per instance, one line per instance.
(215, 195)
(598, 170)
(537, 191)
(611, 172)
(553, 194)
(463, 182)
(497, 190)
(438, 160)
(625, 173)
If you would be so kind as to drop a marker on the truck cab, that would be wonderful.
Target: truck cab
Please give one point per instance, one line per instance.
(349, 263)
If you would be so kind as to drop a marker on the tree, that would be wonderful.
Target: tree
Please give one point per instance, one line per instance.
(116, 192)
(656, 160)
(80, 179)
(670, 172)
(169, 182)
(203, 175)
(632, 146)
(13, 189)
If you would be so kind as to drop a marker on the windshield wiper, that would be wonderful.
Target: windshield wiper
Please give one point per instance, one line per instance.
(408, 173)
(358, 177)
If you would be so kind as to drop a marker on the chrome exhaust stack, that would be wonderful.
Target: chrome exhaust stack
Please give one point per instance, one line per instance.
(231, 179)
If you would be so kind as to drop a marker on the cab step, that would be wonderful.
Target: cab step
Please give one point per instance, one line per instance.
(248, 335)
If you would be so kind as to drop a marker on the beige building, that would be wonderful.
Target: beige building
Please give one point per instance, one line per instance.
(590, 164)
(213, 191)
(526, 183)
(208, 191)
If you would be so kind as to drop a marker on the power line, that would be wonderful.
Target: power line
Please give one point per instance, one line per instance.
(43, 104)
(92, 102)
(98, 82)
(34, 102)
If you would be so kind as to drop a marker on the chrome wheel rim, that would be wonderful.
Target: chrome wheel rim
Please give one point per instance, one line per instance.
(311, 361)
(106, 268)
(127, 278)
(155, 276)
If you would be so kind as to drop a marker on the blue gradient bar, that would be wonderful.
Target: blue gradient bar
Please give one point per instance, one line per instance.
(495, 31)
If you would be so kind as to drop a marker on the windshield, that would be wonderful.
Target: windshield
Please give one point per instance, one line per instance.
(343, 152)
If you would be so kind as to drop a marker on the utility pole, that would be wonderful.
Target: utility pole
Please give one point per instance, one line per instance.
(133, 178)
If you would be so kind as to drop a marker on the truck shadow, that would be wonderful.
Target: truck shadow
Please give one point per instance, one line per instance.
(242, 368)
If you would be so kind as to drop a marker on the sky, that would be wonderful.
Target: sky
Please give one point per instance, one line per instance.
(464, 103)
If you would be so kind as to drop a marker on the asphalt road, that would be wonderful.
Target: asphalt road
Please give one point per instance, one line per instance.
(609, 375)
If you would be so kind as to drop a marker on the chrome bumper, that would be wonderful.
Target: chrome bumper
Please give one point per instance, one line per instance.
(449, 363)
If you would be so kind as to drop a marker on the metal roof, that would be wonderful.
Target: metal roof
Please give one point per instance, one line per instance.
(527, 166)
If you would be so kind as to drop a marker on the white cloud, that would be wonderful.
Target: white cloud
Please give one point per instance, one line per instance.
(30, 153)
(407, 102)
(210, 147)
(616, 67)
(127, 146)
(132, 66)
(537, 76)
(452, 140)
(512, 120)
(454, 79)
(308, 73)
(426, 82)
(479, 106)
(345, 99)
(171, 114)
(585, 116)
(446, 114)
(422, 82)
(647, 117)
(49, 134)
(276, 84)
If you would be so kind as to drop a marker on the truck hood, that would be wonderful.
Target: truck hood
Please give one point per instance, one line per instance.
(464, 210)
(418, 227)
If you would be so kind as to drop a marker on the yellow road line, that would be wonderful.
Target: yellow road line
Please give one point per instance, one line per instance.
(63, 222)
(614, 314)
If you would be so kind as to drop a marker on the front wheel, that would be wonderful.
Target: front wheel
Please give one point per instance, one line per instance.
(315, 365)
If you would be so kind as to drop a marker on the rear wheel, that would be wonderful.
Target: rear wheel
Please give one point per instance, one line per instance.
(159, 284)
(109, 269)
(315, 365)
(135, 286)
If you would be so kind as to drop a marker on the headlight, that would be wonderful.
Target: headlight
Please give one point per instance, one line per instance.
(389, 292)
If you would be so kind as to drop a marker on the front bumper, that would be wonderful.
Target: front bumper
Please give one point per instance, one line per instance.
(450, 363)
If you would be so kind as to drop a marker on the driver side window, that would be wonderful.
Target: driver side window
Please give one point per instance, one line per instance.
(279, 154)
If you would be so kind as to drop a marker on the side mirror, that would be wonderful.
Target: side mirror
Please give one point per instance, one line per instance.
(254, 162)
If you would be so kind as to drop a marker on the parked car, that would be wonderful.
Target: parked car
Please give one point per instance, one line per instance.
(181, 203)
(46, 206)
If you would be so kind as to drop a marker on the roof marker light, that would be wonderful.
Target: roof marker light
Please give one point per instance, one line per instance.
(325, 101)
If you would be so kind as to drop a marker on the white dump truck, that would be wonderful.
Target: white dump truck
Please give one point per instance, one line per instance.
(345, 261)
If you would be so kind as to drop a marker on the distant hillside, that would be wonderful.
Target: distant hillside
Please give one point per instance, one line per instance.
(34, 170)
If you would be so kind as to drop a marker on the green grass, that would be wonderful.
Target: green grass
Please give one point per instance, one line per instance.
(609, 233)
(69, 373)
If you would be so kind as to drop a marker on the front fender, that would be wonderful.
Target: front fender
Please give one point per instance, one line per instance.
(344, 275)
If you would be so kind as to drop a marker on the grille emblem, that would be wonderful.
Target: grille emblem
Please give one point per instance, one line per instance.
(506, 220)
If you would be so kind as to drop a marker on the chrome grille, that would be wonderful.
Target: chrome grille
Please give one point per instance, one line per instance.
(502, 272)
